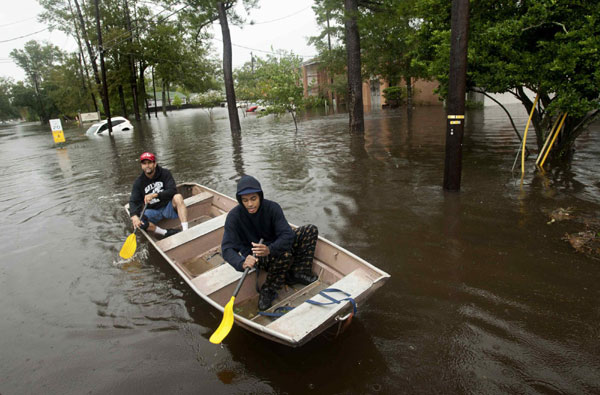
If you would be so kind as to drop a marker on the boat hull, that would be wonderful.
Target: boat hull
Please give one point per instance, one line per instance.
(195, 255)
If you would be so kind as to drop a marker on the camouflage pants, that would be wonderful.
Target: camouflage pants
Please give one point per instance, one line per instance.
(298, 260)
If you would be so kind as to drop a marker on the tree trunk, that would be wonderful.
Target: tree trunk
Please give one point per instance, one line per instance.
(122, 98)
(164, 99)
(42, 111)
(143, 88)
(355, 99)
(409, 92)
(154, 89)
(168, 94)
(83, 63)
(234, 120)
(89, 50)
(103, 68)
(132, 80)
(83, 85)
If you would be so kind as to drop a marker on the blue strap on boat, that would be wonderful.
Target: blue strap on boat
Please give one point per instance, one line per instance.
(333, 300)
(278, 312)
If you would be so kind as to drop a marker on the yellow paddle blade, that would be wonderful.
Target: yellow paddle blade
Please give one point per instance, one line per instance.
(129, 247)
(223, 329)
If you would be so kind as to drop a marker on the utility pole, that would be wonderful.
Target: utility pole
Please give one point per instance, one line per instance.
(455, 108)
(105, 102)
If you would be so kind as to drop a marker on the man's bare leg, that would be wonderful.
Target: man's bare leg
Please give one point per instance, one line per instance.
(181, 209)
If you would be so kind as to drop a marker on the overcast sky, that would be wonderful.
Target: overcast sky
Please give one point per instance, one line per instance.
(280, 24)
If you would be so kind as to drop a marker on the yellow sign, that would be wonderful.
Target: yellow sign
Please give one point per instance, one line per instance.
(454, 122)
(456, 117)
(59, 136)
(57, 131)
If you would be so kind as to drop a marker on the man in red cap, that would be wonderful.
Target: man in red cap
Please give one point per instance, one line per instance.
(156, 189)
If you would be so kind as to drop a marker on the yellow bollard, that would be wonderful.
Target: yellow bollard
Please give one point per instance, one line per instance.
(553, 139)
(525, 134)
(541, 153)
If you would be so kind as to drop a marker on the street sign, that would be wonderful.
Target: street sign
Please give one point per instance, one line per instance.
(57, 131)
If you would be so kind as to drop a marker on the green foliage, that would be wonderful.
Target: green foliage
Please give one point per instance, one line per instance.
(177, 102)
(64, 90)
(330, 45)
(390, 41)
(24, 98)
(178, 50)
(7, 110)
(314, 102)
(209, 99)
(395, 93)
(276, 81)
(548, 47)
(38, 61)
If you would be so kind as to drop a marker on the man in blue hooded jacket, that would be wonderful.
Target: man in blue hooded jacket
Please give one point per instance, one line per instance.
(286, 254)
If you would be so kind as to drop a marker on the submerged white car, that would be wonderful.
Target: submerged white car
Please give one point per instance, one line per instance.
(119, 124)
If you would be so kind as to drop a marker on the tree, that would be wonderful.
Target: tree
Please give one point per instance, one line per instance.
(547, 47)
(355, 100)
(7, 110)
(37, 60)
(23, 98)
(331, 47)
(63, 89)
(203, 13)
(276, 81)
(390, 42)
(209, 100)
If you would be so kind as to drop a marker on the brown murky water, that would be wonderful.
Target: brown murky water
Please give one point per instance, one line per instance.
(484, 297)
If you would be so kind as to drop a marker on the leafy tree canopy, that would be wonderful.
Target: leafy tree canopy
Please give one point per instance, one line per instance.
(276, 81)
(548, 47)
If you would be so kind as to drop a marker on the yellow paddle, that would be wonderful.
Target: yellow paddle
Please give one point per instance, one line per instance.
(130, 244)
(227, 322)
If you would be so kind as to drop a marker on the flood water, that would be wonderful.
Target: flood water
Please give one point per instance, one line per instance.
(484, 295)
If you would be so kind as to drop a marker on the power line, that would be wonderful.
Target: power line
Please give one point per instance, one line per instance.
(26, 35)
(131, 31)
(17, 22)
(278, 19)
(262, 50)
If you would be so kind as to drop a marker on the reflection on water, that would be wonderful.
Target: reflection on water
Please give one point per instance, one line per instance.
(484, 297)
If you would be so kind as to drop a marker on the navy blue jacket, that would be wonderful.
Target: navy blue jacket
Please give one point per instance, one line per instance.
(243, 228)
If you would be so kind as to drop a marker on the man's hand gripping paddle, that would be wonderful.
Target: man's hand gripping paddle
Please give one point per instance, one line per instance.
(130, 244)
(227, 322)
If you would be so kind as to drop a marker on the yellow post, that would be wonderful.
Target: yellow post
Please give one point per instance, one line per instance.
(541, 153)
(553, 139)
(525, 134)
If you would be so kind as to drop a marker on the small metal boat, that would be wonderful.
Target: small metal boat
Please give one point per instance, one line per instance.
(195, 255)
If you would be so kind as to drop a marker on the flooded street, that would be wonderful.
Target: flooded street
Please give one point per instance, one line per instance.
(484, 295)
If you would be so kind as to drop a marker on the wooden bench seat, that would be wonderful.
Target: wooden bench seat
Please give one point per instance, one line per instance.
(305, 318)
(199, 198)
(217, 278)
(192, 233)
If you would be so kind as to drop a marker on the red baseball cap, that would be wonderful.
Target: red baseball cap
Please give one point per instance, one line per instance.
(147, 156)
